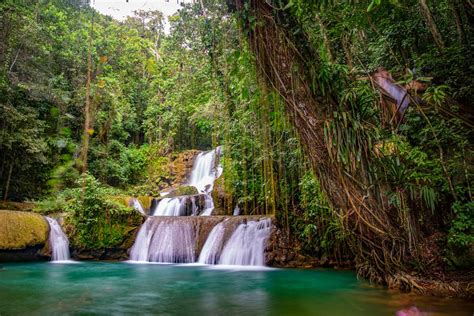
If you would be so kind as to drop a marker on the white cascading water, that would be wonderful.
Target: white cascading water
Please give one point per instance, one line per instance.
(212, 248)
(171, 207)
(246, 246)
(194, 207)
(165, 241)
(137, 206)
(205, 171)
(58, 241)
(208, 205)
(203, 175)
(236, 210)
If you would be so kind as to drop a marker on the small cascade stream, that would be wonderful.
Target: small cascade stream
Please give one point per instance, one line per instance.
(205, 171)
(170, 207)
(58, 241)
(246, 246)
(165, 241)
(212, 248)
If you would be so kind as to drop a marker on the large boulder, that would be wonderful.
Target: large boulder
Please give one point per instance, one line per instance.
(23, 236)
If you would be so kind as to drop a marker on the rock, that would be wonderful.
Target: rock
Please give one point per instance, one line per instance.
(23, 236)
(19, 230)
(182, 191)
(181, 166)
(223, 201)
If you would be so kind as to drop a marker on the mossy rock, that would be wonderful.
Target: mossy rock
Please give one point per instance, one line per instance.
(183, 190)
(182, 165)
(223, 200)
(145, 201)
(19, 230)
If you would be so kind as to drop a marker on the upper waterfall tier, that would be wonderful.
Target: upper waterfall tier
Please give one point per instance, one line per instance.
(206, 170)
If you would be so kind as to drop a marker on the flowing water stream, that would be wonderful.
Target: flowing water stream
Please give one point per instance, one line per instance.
(58, 242)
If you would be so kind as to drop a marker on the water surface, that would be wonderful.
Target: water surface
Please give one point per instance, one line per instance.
(124, 288)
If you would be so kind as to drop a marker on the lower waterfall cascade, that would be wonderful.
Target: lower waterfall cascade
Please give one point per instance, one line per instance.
(58, 241)
(175, 240)
(246, 246)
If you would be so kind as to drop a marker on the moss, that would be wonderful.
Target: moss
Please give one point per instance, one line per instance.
(183, 190)
(19, 230)
(165, 172)
(182, 165)
(223, 199)
(145, 201)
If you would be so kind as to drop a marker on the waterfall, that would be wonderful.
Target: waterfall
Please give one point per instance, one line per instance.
(166, 241)
(212, 248)
(171, 207)
(175, 239)
(236, 210)
(246, 246)
(137, 206)
(205, 172)
(58, 241)
(139, 251)
(208, 205)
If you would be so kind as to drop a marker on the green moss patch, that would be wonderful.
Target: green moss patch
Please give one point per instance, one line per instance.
(19, 230)
(183, 190)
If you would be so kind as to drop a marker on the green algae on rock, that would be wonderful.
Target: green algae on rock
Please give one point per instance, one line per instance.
(19, 230)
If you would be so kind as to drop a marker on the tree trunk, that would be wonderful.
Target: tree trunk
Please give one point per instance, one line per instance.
(87, 108)
(7, 187)
(430, 23)
(458, 21)
(380, 241)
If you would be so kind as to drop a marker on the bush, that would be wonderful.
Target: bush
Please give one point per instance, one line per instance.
(94, 218)
(461, 235)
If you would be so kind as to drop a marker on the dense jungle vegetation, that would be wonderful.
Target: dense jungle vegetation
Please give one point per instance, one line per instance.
(288, 87)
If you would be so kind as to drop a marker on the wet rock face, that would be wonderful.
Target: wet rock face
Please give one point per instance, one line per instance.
(284, 252)
(181, 166)
(222, 199)
(120, 253)
(23, 236)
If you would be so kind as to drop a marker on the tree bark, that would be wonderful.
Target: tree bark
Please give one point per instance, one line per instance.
(87, 108)
(7, 187)
(458, 21)
(430, 23)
